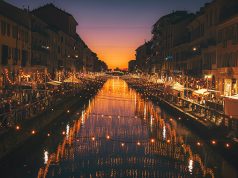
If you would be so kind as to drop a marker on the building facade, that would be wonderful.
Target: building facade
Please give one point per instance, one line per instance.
(15, 42)
(132, 66)
(143, 57)
(202, 45)
(33, 42)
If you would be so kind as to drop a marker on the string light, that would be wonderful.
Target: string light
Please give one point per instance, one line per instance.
(17, 127)
(227, 145)
(214, 142)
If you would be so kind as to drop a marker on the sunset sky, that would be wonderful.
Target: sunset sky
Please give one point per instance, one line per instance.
(115, 28)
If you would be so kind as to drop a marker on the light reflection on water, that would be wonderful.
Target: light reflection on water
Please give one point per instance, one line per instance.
(121, 135)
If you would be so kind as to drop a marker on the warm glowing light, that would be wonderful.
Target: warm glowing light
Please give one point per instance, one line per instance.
(63, 133)
(164, 133)
(190, 166)
(17, 127)
(152, 140)
(48, 134)
(138, 143)
(108, 137)
(93, 138)
(228, 145)
(67, 130)
(122, 144)
(213, 142)
(198, 144)
(46, 157)
(168, 141)
(67, 111)
(33, 132)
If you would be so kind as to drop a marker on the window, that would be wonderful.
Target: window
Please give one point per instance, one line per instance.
(19, 53)
(220, 36)
(24, 58)
(8, 30)
(14, 32)
(26, 37)
(4, 55)
(15, 56)
(9, 53)
(3, 28)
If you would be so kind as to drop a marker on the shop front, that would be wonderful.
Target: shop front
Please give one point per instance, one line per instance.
(227, 87)
(230, 87)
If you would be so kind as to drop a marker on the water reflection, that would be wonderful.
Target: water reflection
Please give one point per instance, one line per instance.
(121, 135)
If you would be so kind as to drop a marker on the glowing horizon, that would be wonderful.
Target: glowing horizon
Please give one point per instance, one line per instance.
(117, 48)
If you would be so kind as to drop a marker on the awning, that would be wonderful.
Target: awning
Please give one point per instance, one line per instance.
(72, 79)
(55, 83)
(201, 92)
(177, 86)
(214, 91)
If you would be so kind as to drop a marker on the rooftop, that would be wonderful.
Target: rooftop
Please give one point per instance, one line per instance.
(18, 15)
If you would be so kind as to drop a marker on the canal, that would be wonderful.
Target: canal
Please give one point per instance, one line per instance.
(116, 134)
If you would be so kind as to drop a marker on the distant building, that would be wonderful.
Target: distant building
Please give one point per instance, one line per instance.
(57, 18)
(66, 27)
(143, 57)
(41, 45)
(37, 42)
(100, 66)
(202, 45)
(132, 66)
(15, 41)
(168, 32)
(221, 59)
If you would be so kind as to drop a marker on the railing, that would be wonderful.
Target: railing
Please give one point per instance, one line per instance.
(27, 111)
(202, 113)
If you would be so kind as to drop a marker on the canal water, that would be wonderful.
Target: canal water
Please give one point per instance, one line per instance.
(117, 134)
